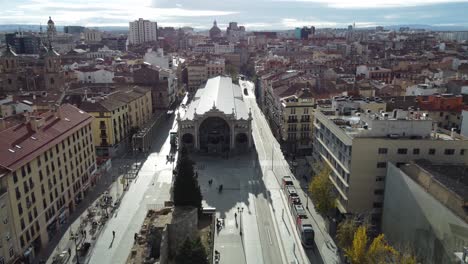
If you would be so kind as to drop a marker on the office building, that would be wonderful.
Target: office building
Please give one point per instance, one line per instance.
(23, 43)
(46, 165)
(142, 31)
(358, 147)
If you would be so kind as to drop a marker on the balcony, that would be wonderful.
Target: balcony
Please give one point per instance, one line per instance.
(292, 121)
(307, 120)
(103, 135)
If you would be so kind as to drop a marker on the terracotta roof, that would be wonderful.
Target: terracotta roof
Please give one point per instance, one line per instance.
(21, 144)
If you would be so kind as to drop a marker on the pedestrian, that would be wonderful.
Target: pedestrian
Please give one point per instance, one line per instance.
(69, 252)
(113, 234)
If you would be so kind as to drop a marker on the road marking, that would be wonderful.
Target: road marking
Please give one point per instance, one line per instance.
(269, 235)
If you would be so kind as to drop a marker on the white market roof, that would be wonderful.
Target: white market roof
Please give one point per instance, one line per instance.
(223, 94)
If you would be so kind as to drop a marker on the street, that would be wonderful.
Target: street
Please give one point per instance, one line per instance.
(274, 167)
(243, 194)
(258, 226)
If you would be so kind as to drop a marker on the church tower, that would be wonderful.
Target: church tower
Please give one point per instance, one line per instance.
(52, 70)
(51, 30)
(10, 66)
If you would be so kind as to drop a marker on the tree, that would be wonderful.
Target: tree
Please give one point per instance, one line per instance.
(345, 232)
(357, 251)
(321, 191)
(232, 71)
(186, 189)
(378, 251)
(191, 252)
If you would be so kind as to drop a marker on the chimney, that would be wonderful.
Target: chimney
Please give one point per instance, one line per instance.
(36, 123)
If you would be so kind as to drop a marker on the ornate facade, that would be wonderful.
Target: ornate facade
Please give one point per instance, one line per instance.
(223, 126)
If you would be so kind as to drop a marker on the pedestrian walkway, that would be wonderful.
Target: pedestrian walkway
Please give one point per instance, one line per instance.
(109, 182)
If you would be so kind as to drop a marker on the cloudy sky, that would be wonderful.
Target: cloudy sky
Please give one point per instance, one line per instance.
(254, 14)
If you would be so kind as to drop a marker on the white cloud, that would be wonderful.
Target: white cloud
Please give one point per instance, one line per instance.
(293, 23)
(93, 11)
(359, 4)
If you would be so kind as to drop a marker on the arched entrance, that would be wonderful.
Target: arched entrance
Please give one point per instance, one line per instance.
(188, 140)
(215, 135)
(242, 142)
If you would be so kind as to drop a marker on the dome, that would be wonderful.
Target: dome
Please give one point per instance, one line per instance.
(50, 21)
(215, 32)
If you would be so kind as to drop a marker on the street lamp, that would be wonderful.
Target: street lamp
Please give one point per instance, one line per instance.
(74, 237)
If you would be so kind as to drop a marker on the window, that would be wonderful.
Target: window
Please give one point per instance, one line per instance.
(416, 151)
(402, 151)
(383, 150)
(462, 152)
(377, 205)
(449, 151)
(20, 209)
(432, 151)
(381, 165)
(41, 177)
(15, 177)
(379, 192)
(18, 193)
(379, 178)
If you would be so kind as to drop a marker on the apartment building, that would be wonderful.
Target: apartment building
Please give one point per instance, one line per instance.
(46, 166)
(142, 31)
(116, 116)
(357, 147)
(297, 122)
(215, 67)
(196, 75)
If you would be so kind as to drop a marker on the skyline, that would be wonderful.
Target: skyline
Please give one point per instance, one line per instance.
(275, 14)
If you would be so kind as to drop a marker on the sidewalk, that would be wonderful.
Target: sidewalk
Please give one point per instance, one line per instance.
(110, 182)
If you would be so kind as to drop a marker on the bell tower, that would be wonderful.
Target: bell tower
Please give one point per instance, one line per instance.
(10, 66)
(52, 70)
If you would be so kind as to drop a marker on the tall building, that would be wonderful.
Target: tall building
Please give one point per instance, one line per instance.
(234, 33)
(23, 43)
(46, 164)
(358, 147)
(142, 31)
(73, 29)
